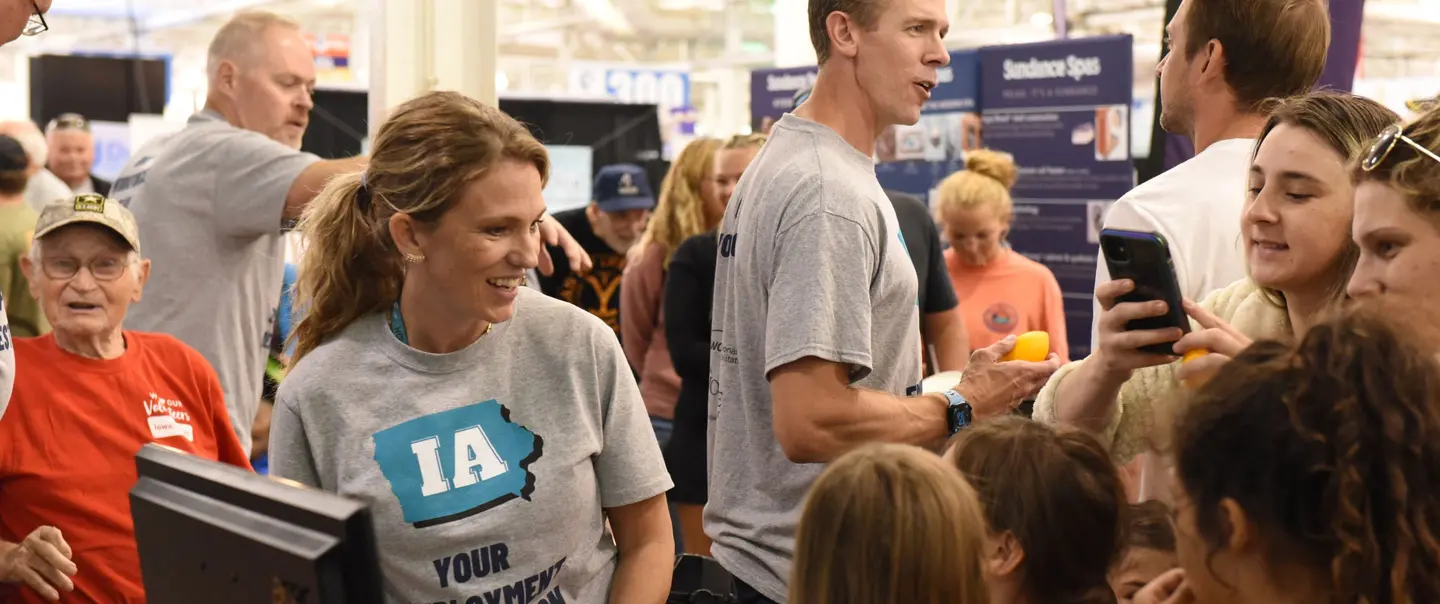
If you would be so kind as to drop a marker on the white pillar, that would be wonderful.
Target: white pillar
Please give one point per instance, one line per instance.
(466, 43)
(421, 45)
(792, 33)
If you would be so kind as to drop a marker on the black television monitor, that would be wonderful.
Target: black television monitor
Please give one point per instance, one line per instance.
(214, 533)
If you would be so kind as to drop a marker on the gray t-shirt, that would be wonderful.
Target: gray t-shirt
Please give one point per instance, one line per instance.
(812, 263)
(486, 469)
(208, 200)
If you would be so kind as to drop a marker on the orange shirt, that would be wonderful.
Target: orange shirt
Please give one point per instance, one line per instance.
(68, 444)
(1011, 295)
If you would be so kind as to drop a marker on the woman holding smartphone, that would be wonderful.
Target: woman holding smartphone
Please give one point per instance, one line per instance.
(1295, 229)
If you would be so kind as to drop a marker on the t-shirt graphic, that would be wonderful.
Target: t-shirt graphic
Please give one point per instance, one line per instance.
(454, 464)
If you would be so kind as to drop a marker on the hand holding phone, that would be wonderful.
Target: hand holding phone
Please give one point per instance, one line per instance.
(1142, 312)
(1121, 348)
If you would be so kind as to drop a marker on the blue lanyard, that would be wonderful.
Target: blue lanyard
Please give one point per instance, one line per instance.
(397, 325)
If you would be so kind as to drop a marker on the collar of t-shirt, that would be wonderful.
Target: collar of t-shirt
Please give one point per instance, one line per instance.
(801, 125)
(206, 115)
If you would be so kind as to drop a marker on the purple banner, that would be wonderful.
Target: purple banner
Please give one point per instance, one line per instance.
(1063, 110)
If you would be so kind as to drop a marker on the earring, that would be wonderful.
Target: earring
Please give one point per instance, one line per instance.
(414, 258)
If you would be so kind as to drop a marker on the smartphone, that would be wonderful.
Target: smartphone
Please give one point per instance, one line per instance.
(1144, 258)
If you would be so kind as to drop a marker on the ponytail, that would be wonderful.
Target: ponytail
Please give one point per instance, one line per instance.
(350, 267)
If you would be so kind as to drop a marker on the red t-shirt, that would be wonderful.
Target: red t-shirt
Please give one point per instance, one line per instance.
(68, 444)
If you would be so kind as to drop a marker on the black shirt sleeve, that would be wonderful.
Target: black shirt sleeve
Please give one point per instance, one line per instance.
(688, 287)
(940, 296)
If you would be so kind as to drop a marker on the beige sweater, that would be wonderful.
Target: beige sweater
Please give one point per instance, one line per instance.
(1155, 391)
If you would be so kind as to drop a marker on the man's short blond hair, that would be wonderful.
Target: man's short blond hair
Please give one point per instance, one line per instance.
(238, 40)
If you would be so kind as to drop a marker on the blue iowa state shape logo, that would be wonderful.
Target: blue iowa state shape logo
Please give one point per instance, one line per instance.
(457, 463)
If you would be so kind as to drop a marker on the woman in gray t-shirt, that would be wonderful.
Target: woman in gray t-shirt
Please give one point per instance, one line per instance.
(493, 431)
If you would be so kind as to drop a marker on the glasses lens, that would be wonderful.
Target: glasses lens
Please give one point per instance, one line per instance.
(35, 26)
(107, 270)
(60, 268)
(1383, 144)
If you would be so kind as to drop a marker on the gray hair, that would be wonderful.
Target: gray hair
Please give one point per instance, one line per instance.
(238, 40)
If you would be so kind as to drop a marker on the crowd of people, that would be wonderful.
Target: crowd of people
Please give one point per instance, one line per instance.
(549, 407)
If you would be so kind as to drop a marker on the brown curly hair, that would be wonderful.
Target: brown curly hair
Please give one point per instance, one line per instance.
(1331, 448)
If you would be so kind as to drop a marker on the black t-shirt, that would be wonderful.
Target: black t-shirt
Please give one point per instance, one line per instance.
(922, 240)
(597, 291)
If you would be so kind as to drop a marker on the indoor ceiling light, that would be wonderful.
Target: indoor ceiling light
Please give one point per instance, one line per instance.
(1042, 19)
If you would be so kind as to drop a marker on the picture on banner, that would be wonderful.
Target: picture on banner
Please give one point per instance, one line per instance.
(1062, 109)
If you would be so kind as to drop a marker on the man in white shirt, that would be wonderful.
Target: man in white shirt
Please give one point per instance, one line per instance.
(1212, 92)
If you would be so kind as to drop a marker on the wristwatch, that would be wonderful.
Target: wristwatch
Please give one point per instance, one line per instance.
(958, 415)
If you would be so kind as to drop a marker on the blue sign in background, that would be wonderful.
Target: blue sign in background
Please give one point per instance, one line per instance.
(1063, 110)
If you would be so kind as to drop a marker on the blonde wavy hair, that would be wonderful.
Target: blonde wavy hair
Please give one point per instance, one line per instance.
(890, 523)
(425, 155)
(985, 182)
(680, 212)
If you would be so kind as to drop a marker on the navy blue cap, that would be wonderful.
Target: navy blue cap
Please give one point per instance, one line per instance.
(12, 155)
(621, 187)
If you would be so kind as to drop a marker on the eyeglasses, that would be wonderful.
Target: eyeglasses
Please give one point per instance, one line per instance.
(1385, 143)
(37, 24)
(102, 269)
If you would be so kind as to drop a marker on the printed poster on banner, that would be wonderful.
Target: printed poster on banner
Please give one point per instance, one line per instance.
(1062, 109)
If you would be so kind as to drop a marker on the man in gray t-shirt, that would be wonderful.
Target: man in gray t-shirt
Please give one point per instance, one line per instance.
(211, 200)
(816, 339)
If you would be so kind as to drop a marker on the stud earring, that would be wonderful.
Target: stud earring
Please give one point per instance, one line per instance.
(414, 258)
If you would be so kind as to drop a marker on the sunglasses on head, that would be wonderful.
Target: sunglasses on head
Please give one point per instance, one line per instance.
(36, 25)
(1385, 143)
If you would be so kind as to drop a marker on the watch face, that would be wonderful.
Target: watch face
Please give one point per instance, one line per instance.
(959, 417)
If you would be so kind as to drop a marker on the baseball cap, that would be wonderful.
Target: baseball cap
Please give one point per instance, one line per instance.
(621, 187)
(89, 209)
(12, 155)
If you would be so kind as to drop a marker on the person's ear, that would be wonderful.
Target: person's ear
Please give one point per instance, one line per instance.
(227, 76)
(1003, 554)
(405, 232)
(1235, 526)
(27, 268)
(842, 31)
(1212, 64)
(142, 276)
